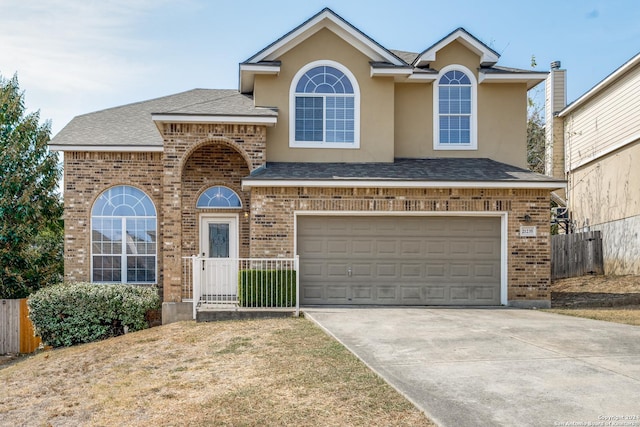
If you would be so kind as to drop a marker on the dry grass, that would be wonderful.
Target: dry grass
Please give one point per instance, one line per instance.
(629, 314)
(604, 284)
(241, 373)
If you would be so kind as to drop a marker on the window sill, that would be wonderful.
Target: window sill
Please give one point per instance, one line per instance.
(339, 145)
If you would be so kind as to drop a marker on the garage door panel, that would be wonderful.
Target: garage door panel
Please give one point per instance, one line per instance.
(410, 248)
(337, 293)
(411, 295)
(411, 270)
(387, 270)
(485, 294)
(362, 247)
(392, 260)
(361, 293)
(313, 293)
(360, 270)
(388, 293)
(386, 248)
(460, 293)
(337, 270)
(437, 294)
(436, 270)
(337, 247)
(457, 271)
(436, 247)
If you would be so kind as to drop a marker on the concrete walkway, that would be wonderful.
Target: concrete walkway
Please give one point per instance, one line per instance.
(497, 367)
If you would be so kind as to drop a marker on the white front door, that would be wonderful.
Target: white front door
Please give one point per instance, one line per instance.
(219, 247)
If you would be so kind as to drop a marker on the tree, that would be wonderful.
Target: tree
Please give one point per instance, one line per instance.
(535, 129)
(31, 227)
(535, 138)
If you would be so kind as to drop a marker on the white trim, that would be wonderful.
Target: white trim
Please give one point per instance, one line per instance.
(367, 183)
(221, 218)
(531, 79)
(423, 76)
(504, 230)
(356, 113)
(487, 57)
(249, 120)
(600, 86)
(348, 32)
(260, 68)
(108, 148)
(123, 225)
(604, 152)
(473, 130)
(386, 72)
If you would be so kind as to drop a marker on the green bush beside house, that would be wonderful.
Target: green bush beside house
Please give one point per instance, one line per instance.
(75, 313)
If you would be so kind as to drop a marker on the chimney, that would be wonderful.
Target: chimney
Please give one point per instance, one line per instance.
(555, 101)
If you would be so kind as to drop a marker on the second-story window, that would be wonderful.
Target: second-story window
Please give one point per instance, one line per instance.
(324, 108)
(455, 110)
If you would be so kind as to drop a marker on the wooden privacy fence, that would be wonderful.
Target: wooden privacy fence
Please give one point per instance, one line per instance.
(576, 254)
(16, 329)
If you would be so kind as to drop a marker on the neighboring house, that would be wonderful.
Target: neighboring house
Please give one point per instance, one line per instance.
(595, 144)
(398, 178)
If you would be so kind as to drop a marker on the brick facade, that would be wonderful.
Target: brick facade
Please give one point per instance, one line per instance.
(197, 157)
(181, 143)
(528, 270)
(86, 176)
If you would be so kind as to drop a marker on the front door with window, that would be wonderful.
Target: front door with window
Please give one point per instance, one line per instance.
(219, 247)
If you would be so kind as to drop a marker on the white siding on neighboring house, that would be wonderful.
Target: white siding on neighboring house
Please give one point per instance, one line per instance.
(607, 122)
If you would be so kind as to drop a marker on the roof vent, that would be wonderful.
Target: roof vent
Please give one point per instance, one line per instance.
(555, 65)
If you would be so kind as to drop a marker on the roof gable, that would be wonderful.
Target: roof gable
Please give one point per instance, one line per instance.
(488, 56)
(326, 18)
(266, 61)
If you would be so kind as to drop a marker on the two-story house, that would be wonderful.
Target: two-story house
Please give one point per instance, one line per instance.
(594, 143)
(397, 178)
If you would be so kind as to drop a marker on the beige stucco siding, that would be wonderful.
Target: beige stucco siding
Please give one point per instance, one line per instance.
(502, 123)
(607, 190)
(608, 120)
(501, 109)
(376, 103)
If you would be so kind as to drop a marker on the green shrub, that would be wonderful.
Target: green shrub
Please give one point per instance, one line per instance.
(74, 313)
(267, 288)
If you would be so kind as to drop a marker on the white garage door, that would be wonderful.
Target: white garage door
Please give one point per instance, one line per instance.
(399, 260)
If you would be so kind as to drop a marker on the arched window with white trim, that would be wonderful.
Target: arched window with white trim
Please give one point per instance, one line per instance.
(219, 197)
(455, 110)
(123, 237)
(325, 107)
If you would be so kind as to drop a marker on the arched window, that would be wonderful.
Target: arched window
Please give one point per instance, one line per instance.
(219, 197)
(123, 237)
(455, 110)
(325, 107)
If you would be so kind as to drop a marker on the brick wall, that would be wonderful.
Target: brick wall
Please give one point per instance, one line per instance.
(181, 141)
(528, 269)
(208, 166)
(86, 176)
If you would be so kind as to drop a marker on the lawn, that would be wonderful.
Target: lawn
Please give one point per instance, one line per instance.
(600, 286)
(240, 373)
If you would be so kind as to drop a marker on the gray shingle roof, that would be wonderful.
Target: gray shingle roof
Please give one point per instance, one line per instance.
(433, 169)
(131, 125)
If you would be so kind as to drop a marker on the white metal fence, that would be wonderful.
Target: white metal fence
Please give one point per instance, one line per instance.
(253, 283)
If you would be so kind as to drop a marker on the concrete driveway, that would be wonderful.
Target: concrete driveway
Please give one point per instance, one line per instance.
(498, 367)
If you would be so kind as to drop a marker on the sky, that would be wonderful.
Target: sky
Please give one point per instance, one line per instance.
(78, 56)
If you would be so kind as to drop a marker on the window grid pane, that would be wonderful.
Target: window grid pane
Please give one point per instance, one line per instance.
(329, 117)
(454, 105)
(123, 227)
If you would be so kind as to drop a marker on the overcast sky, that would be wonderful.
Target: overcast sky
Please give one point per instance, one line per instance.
(77, 56)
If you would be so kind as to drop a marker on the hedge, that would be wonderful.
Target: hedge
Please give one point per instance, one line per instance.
(267, 288)
(75, 313)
